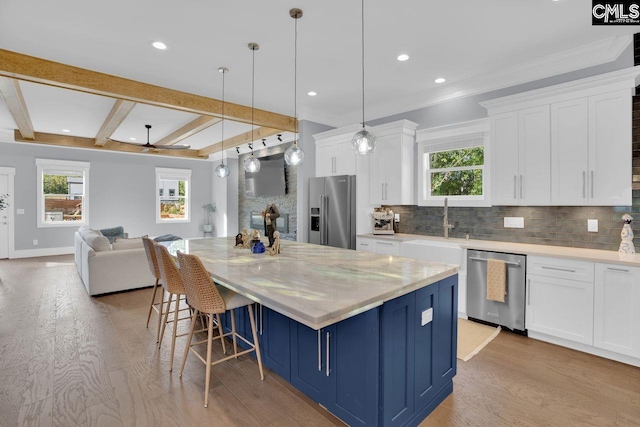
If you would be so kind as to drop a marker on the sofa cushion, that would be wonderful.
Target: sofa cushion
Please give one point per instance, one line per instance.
(112, 233)
(122, 243)
(84, 230)
(97, 241)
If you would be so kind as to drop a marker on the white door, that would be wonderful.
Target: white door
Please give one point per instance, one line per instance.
(609, 149)
(393, 176)
(325, 158)
(4, 219)
(569, 154)
(534, 179)
(378, 173)
(504, 137)
(345, 158)
(617, 309)
(560, 308)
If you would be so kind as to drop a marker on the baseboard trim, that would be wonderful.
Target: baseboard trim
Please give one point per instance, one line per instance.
(32, 253)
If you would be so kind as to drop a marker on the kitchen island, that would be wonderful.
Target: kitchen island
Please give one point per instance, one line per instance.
(370, 337)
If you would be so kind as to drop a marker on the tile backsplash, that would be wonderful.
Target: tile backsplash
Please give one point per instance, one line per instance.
(545, 225)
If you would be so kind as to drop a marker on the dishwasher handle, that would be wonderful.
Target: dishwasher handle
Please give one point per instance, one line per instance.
(511, 263)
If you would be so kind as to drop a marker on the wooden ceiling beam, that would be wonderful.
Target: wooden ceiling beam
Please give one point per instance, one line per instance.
(190, 129)
(12, 95)
(116, 116)
(37, 70)
(80, 142)
(238, 140)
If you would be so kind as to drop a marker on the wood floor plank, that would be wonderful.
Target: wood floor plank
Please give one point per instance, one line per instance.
(37, 414)
(104, 414)
(69, 401)
(132, 404)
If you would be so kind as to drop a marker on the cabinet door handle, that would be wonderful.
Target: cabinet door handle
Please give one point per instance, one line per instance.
(529, 292)
(335, 165)
(618, 269)
(520, 186)
(328, 369)
(385, 243)
(584, 184)
(515, 196)
(382, 191)
(592, 184)
(319, 352)
(386, 191)
(558, 269)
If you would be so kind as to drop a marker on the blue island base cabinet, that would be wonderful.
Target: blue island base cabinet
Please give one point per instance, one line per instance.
(389, 366)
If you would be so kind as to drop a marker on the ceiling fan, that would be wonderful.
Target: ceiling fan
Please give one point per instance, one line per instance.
(148, 146)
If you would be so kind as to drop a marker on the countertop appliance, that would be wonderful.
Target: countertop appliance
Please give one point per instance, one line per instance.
(382, 221)
(332, 211)
(509, 313)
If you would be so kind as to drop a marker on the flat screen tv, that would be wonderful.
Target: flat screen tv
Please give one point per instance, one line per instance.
(269, 180)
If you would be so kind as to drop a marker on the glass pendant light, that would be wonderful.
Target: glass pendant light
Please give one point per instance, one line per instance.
(363, 142)
(222, 171)
(252, 164)
(294, 154)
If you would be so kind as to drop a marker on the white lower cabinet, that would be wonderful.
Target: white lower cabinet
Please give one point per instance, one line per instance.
(617, 309)
(561, 308)
(379, 246)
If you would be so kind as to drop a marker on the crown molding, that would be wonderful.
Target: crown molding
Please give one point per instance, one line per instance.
(589, 55)
(466, 129)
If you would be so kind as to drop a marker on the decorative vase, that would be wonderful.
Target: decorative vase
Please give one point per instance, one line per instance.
(207, 228)
(626, 245)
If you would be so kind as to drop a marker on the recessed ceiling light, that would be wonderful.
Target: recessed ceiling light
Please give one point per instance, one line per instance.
(159, 45)
(132, 139)
(66, 130)
(403, 57)
(312, 93)
(440, 80)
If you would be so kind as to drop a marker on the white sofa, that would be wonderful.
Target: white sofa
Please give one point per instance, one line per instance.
(106, 268)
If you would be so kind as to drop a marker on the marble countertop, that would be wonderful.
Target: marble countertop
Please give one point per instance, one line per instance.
(594, 255)
(312, 284)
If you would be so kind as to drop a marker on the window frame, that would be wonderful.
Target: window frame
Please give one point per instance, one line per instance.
(446, 138)
(67, 166)
(178, 175)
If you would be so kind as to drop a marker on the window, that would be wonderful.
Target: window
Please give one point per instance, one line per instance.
(453, 164)
(63, 193)
(173, 190)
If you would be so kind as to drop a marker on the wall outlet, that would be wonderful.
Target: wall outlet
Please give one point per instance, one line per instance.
(513, 222)
(396, 218)
(20, 211)
(427, 316)
(35, 242)
(592, 225)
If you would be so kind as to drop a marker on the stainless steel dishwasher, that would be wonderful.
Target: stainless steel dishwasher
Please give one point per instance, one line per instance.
(509, 313)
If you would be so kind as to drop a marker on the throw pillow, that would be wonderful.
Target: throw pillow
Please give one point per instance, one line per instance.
(97, 242)
(112, 233)
(167, 238)
(122, 243)
(84, 230)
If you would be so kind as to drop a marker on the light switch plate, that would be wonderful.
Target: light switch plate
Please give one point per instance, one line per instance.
(427, 316)
(397, 218)
(592, 225)
(513, 222)
(20, 211)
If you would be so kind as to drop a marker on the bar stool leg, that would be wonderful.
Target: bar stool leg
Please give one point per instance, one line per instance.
(175, 331)
(160, 315)
(255, 340)
(153, 300)
(166, 319)
(186, 349)
(224, 349)
(208, 370)
(233, 333)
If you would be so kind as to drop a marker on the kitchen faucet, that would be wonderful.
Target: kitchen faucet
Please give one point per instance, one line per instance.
(446, 224)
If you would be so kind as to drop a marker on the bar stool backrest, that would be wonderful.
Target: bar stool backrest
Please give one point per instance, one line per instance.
(201, 291)
(170, 275)
(151, 257)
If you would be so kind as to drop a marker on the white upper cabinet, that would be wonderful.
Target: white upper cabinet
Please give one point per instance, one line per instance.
(591, 150)
(334, 155)
(521, 157)
(568, 144)
(391, 175)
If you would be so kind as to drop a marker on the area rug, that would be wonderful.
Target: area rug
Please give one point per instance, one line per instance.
(473, 337)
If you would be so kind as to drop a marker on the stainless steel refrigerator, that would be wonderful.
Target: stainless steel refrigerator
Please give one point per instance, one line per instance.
(332, 211)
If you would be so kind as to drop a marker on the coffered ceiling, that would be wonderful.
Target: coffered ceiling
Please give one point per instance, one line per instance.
(475, 45)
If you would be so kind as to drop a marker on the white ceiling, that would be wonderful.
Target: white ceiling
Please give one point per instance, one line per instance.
(462, 40)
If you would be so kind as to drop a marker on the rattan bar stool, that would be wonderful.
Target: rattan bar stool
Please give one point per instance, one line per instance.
(206, 297)
(155, 271)
(172, 284)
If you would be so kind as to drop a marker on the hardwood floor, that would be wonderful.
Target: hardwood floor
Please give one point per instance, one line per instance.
(67, 359)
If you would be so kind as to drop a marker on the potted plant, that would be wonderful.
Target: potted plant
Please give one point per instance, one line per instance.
(208, 209)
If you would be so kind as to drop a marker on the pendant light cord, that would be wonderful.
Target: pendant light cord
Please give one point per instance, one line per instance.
(295, 79)
(253, 79)
(223, 73)
(363, 64)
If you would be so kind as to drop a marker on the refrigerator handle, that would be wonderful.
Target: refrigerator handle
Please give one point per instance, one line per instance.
(322, 219)
(325, 213)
